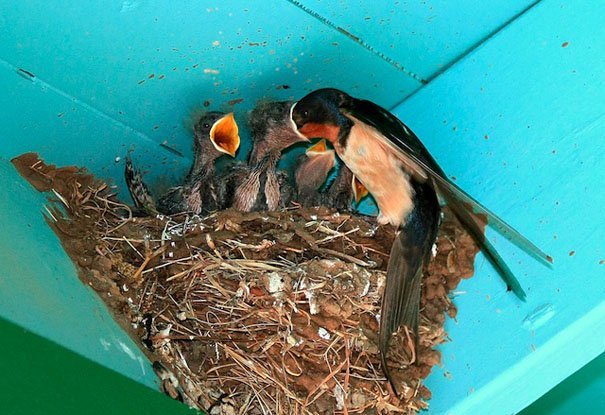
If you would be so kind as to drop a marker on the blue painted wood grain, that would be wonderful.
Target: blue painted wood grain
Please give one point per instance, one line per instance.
(421, 37)
(147, 65)
(520, 123)
(38, 118)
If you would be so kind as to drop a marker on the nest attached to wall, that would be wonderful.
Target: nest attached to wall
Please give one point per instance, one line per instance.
(255, 313)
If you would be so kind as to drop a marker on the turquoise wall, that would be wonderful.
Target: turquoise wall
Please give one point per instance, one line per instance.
(520, 123)
(508, 96)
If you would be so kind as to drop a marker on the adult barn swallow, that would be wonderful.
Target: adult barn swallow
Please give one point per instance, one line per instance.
(260, 186)
(215, 134)
(340, 193)
(396, 168)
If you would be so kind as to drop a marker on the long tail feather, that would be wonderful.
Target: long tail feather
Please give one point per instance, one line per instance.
(474, 227)
(138, 189)
(401, 298)
(404, 141)
(453, 192)
(400, 302)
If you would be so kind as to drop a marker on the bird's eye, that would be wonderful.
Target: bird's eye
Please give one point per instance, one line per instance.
(306, 113)
(206, 125)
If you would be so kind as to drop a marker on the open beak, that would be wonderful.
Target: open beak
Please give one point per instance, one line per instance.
(314, 171)
(295, 127)
(319, 147)
(321, 158)
(359, 190)
(224, 135)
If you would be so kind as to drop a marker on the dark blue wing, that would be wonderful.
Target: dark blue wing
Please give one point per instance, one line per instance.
(403, 139)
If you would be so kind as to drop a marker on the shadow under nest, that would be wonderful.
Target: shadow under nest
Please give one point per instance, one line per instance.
(256, 313)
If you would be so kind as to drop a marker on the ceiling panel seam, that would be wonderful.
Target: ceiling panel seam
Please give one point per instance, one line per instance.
(483, 40)
(469, 51)
(396, 64)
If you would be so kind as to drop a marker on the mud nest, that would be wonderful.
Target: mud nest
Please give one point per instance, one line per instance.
(255, 313)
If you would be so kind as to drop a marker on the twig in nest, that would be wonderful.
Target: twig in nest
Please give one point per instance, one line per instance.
(148, 257)
(325, 380)
(61, 198)
(345, 386)
(336, 235)
(331, 252)
(132, 246)
(411, 345)
(246, 363)
(257, 248)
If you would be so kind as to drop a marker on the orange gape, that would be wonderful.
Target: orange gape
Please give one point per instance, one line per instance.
(225, 134)
(359, 190)
(380, 169)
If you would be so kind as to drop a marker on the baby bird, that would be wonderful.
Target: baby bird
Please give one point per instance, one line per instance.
(259, 185)
(359, 190)
(312, 173)
(215, 134)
